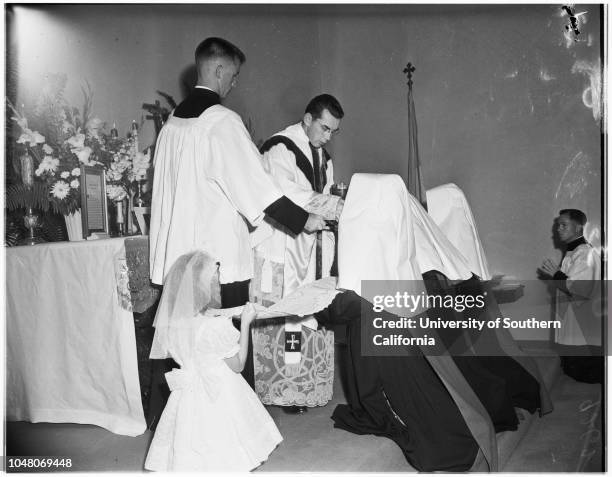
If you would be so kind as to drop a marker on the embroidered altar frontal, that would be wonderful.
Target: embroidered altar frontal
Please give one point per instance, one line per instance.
(307, 383)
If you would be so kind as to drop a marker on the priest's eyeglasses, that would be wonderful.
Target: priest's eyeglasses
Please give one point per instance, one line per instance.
(326, 129)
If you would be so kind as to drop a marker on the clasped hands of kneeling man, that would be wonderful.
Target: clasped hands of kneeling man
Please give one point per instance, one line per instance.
(549, 267)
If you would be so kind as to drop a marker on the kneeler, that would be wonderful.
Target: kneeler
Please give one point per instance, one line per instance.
(308, 381)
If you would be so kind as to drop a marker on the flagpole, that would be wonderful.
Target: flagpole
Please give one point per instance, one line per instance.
(414, 180)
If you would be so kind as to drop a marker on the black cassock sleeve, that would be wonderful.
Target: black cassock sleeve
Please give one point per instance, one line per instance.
(288, 214)
(561, 281)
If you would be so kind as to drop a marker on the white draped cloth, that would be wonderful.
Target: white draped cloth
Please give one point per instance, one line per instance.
(450, 210)
(70, 346)
(208, 180)
(400, 242)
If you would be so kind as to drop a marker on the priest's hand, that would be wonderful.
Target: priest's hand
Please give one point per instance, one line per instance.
(314, 223)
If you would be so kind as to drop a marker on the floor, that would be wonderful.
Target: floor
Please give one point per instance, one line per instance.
(567, 440)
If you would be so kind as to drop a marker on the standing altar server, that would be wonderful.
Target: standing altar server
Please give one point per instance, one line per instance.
(209, 179)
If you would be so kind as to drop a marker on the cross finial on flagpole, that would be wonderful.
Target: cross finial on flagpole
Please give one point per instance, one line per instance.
(409, 70)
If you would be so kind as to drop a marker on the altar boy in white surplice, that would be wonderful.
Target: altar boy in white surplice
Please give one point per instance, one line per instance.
(213, 421)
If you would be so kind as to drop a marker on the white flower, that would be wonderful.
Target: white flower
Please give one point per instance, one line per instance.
(113, 175)
(123, 165)
(77, 141)
(76, 172)
(93, 126)
(67, 127)
(74, 184)
(83, 154)
(48, 164)
(116, 192)
(31, 137)
(60, 190)
(65, 175)
(47, 149)
(38, 138)
(142, 161)
(23, 122)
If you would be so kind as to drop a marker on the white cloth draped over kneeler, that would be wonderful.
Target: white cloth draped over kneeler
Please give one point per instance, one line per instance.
(405, 239)
(448, 207)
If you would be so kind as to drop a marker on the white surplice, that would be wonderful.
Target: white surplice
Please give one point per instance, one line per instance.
(208, 182)
(297, 253)
(580, 312)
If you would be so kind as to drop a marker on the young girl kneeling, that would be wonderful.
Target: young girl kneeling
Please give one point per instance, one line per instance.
(213, 420)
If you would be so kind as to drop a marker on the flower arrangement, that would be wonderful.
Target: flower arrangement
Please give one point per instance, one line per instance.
(126, 168)
(59, 139)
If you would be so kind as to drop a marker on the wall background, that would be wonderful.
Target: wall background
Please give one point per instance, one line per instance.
(507, 104)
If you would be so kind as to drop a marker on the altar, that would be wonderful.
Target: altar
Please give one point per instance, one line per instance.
(71, 346)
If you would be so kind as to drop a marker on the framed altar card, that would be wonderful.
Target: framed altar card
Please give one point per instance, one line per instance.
(94, 214)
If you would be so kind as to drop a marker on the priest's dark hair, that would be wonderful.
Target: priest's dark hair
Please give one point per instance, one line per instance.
(214, 47)
(322, 102)
(576, 215)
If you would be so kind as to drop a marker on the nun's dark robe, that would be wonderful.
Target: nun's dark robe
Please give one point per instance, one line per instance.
(443, 411)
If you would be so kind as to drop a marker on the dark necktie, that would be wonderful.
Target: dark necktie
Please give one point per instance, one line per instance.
(319, 172)
(319, 183)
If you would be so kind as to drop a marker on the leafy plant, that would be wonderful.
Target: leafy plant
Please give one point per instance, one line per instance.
(19, 196)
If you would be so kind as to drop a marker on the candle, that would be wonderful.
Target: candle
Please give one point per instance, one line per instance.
(27, 169)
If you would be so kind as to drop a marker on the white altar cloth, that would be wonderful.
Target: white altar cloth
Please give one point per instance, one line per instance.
(71, 349)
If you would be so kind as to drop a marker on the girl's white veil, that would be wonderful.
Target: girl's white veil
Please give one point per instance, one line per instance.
(187, 290)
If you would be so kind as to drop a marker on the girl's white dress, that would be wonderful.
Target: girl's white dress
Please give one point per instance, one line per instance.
(213, 420)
